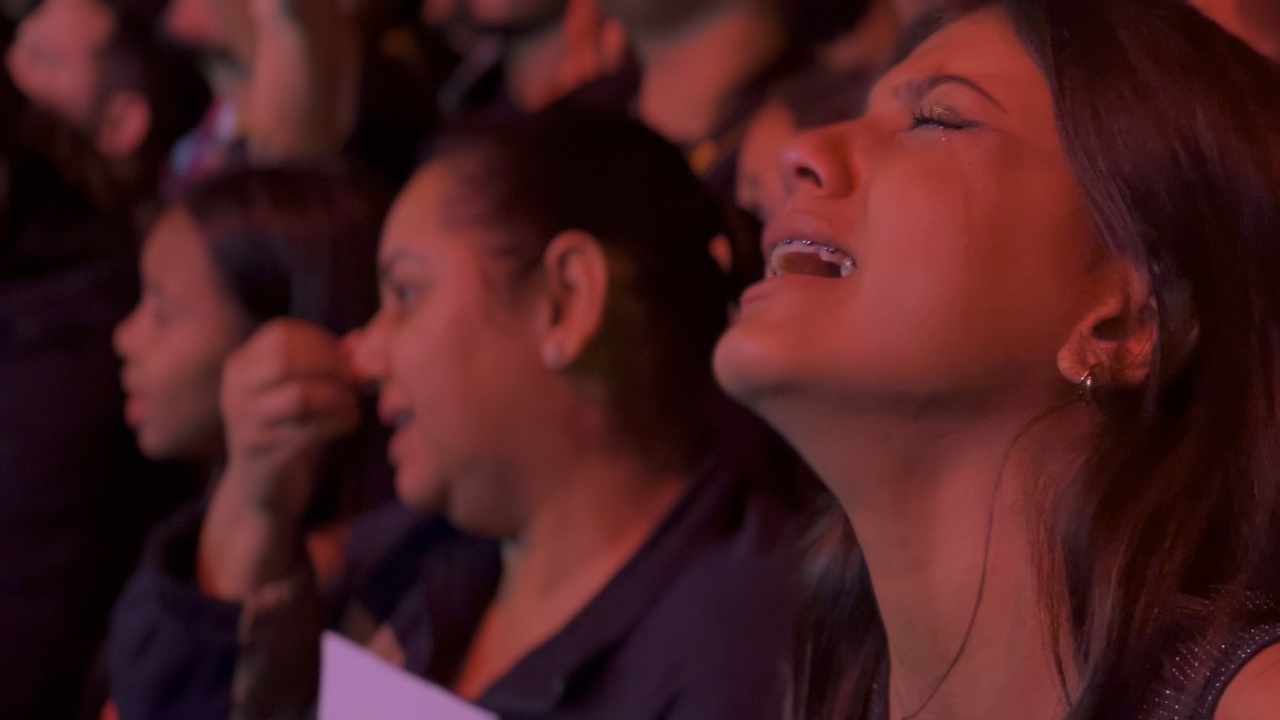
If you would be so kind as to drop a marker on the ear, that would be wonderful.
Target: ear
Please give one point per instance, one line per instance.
(576, 280)
(1115, 340)
(721, 250)
(125, 124)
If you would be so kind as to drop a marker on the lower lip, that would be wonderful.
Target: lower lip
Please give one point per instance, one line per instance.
(134, 410)
(769, 285)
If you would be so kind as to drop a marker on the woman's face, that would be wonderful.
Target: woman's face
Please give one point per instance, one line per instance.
(174, 342)
(937, 249)
(453, 354)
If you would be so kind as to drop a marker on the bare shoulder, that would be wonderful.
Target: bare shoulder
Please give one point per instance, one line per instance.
(1254, 694)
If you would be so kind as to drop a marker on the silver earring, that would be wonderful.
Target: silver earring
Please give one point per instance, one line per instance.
(1085, 388)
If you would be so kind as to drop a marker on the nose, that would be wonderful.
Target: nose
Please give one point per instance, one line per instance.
(365, 350)
(15, 63)
(124, 337)
(818, 162)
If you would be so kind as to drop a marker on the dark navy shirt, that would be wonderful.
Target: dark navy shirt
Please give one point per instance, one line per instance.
(693, 626)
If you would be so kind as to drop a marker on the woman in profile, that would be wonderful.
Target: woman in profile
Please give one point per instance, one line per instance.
(243, 252)
(1023, 319)
(542, 352)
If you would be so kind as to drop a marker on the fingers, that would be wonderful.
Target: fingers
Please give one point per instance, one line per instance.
(285, 349)
(324, 408)
(287, 391)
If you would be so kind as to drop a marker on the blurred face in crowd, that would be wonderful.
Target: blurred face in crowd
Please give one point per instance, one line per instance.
(174, 343)
(658, 17)
(221, 30)
(935, 253)
(761, 188)
(453, 353)
(55, 58)
(194, 24)
(513, 13)
(908, 10)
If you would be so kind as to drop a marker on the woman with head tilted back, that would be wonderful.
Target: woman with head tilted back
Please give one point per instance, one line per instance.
(542, 352)
(1022, 318)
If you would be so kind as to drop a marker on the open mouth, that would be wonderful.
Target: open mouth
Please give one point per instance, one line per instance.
(805, 257)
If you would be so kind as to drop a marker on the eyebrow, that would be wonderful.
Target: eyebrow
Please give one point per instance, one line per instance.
(914, 92)
(395, 257)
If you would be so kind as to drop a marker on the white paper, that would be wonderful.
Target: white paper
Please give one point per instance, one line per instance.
(357, 685)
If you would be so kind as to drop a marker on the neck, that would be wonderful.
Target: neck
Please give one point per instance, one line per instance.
(942, 506)
(691, 81)
(582, 531)
(588, 516)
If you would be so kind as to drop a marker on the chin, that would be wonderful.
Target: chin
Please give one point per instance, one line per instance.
(418, 490)
(481, 519)
(749, 368)
(152, 446)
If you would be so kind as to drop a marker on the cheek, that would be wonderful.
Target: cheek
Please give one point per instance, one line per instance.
(982, 278)
(428, 366)
(182, 397)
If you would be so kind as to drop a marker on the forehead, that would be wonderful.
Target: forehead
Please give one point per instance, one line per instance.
(83, 23)
(981, 47)
(175, 253)
(438, 201)
(418, 207)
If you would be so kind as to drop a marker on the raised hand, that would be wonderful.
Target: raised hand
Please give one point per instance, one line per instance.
(286, 393)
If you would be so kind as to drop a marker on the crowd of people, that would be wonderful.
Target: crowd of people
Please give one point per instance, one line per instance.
(639, 359)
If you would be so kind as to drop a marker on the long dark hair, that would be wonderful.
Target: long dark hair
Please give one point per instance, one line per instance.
(302, 241)
(1170, 126)
(573, 168)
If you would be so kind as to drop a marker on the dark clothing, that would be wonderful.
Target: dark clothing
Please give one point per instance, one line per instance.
(1191, 677)
(403, 70)
(1215, 661)
(692, 627)
(76, 497)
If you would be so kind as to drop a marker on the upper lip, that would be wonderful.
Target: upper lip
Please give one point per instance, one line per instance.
(792, 227)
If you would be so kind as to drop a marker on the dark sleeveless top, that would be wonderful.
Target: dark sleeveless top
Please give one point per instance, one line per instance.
(1195, 672)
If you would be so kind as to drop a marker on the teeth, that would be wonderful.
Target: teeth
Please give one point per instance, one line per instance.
(806, 257)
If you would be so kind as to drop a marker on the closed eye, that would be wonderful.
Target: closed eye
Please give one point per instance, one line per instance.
(942, 118)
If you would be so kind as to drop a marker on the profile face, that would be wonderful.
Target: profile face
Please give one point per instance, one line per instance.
(174, 344)
(54, 58)
(453, 353)
(512, 13)
(938, 249)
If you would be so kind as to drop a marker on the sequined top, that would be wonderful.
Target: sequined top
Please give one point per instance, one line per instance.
(1196, 672)
(1211, 664)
